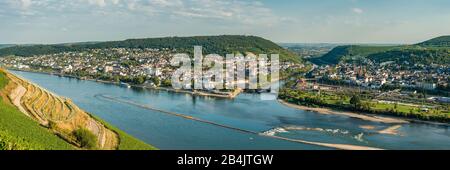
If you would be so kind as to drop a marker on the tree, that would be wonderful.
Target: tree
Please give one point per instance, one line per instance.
(166, 83)
(85, 138)
(116, 78)
(355, 101)
(139, 80)
(155, 80)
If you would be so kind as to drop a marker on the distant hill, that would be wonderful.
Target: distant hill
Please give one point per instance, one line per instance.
(436, 50)
(341, 52)
(414, 55)
(6, 45)
(222, 45)
(443, 41)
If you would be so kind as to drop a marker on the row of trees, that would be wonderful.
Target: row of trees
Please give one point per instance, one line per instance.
(357, 103)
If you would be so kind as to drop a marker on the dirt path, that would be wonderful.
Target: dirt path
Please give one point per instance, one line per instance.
(349, 114)
(98, 130)
(16, 98)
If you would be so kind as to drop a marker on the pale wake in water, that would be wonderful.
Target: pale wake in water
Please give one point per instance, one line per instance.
(286, 129)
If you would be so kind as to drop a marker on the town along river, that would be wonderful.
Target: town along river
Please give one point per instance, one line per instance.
(171, 120)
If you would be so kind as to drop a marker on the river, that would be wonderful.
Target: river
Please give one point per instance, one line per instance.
(247, 112)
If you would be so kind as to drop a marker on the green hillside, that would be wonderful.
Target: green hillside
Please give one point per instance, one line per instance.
(222, 45)
(5, 45)
(19, 132)
(443, 41)
(436, 51)
(414, 55)
(342, 52)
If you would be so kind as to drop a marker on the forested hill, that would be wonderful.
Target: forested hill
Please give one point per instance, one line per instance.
(443, 41)
(436, 50)
(5, 45)
(345, 52)
(222, 45)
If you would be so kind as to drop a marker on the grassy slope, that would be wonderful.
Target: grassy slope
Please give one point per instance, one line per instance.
(17, 131)
(127, 142)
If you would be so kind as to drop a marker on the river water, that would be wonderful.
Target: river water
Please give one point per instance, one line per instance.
(246, 112)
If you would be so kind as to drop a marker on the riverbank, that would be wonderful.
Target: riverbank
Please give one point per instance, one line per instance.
(230, 95)
(366, 117)
(363, 116)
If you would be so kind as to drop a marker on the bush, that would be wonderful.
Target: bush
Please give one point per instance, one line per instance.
(9, 142)
(52, 125)
(3, 80)
(85, 138)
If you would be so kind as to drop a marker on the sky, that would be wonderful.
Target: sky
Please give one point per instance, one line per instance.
(288, 21)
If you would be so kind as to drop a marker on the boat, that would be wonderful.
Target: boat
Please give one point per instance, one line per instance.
(122, 84)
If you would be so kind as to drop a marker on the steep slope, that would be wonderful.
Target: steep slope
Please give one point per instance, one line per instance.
(62, 118)
(19, 132)
(222, 45)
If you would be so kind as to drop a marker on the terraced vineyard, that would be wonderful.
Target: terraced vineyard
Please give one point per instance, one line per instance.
(34, 118)
(60, 115)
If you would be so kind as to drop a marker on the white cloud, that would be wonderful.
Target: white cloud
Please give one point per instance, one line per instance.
(115, 2)
(226, 12)
(21, 4)
(358, 10)
(243, 12)
(100, 3)
(166, 3)
(25, 4)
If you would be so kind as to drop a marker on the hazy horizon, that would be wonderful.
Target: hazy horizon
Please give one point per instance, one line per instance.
(282, 21)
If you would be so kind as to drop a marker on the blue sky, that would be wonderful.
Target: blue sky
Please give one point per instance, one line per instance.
(310, 21)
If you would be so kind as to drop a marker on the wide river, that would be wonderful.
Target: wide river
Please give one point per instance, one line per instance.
(246, 112)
